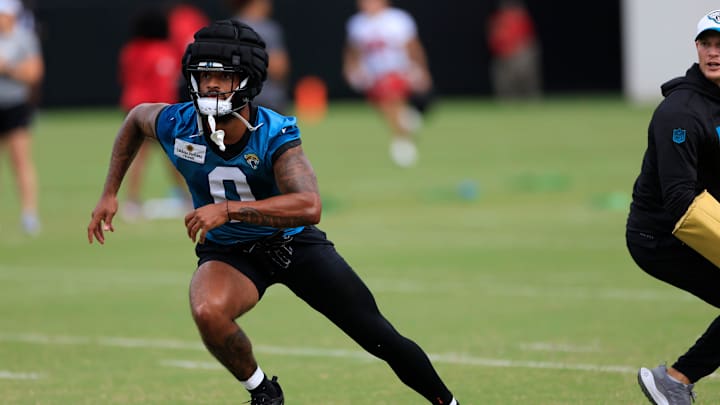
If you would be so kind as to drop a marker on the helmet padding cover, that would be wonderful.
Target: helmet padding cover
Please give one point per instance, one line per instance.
(234, 45)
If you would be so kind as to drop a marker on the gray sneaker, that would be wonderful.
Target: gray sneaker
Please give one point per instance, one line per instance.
(661, 390)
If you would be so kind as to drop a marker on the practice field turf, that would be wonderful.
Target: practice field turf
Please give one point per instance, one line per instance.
(502, 254)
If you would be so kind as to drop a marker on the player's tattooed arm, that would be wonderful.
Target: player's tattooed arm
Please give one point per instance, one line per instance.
(138, 125)
(299, 204)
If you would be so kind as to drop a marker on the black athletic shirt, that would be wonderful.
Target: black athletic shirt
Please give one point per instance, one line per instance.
(683, 154)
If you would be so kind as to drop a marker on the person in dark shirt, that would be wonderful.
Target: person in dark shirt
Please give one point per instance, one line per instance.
(258, 15)
(677, 186)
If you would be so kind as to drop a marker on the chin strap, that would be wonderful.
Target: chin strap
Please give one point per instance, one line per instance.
(218, 136)
(244, 121)
(209, 107)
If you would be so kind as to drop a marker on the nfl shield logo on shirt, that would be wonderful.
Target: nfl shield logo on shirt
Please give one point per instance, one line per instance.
(678, 135)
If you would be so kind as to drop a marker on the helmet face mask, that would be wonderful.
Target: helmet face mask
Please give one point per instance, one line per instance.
(226, 46)
(217, 103)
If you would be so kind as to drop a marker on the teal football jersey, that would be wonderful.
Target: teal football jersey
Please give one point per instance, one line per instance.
(213, 176)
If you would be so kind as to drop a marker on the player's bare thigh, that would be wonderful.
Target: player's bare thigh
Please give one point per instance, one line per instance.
(222, 290)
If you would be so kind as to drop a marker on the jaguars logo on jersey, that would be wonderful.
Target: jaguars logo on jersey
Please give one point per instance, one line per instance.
(252, 160)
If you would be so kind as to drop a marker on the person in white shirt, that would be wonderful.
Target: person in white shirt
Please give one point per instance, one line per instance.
(385, 60)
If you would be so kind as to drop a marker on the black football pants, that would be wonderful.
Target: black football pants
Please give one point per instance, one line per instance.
(673, 262)
(320, 276)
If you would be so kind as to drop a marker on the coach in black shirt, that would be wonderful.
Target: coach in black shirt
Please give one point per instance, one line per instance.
(681, 165)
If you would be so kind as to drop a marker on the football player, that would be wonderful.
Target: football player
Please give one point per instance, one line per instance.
(256, 204)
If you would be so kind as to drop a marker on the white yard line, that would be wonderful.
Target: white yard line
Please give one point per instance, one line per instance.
(560, 347)
(192, 365)
(449, 359)
(358, 355)
(490, 287)
(10, 375)
(478, 361)
(167, 344)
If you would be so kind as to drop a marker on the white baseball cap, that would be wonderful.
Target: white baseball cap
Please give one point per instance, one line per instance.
(710, 21)
(11, 7)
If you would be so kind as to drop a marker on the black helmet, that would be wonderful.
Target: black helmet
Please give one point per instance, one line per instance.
(228, 46)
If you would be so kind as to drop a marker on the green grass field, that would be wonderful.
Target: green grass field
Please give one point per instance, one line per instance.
(524, 294)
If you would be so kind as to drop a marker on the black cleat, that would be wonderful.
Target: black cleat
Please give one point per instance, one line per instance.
(268, 393)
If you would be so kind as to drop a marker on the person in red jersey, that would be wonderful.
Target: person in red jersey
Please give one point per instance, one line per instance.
(149, 67)
(515, 67)
(183, 21)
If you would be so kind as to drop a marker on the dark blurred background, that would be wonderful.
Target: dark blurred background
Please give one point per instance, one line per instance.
(581, 49)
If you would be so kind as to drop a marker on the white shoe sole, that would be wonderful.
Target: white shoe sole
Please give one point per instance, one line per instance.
(647, 383)
(403, 152)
